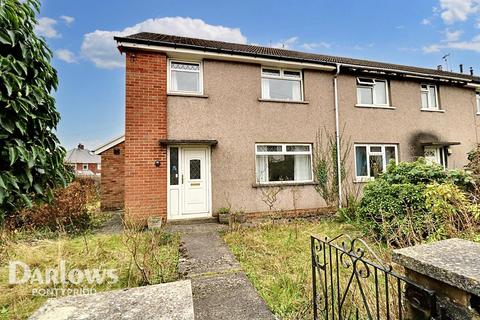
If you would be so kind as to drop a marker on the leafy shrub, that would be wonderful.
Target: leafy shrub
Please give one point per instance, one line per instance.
(223, 210)
(474, 161)
(450, 209)
(413, 202)
(31, 158)
(68, 211)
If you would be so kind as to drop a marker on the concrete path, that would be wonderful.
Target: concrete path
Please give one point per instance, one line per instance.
(220, 288)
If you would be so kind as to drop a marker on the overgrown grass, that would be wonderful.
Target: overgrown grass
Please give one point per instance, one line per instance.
(84, 252)
(277, 260)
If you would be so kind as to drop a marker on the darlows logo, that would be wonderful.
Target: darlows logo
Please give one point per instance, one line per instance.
(21, 273)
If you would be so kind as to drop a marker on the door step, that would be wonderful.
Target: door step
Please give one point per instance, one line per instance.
(193, 221)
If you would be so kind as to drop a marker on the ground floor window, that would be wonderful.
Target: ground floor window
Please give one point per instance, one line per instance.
(283, 163)
(372, 159)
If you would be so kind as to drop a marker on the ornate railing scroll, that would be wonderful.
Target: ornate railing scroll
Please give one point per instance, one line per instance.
(350, 281)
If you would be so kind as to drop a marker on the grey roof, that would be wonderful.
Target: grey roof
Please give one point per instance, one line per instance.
(82, 156)
(282, 54)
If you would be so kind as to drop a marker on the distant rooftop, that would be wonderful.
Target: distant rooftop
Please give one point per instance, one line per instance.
(282, 54)
(82, 155)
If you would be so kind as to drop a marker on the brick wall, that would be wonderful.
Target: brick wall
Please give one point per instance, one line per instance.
(145, 124)
(112, 185)
(91, 166)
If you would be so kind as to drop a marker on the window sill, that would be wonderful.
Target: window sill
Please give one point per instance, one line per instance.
(432, 110)
(283, 101)
(372, 106)
(192, 95)
(283, 184)
(363, 180)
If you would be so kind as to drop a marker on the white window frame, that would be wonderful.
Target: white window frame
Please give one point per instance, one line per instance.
(283, 152)
(369, 153)
(99, 166)
(477, 96)
(169, 77)
(427, 91)
(281, 76)
(371, 84)
(83, 166)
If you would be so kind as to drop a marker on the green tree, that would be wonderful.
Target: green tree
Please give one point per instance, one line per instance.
(31, 158)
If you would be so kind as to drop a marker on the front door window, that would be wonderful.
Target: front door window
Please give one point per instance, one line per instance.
(436, 155)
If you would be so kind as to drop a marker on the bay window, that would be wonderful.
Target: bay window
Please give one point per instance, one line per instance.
(429, 97)
(281, 84)
(185, 77)
(372, 160)
(372, 92)
(279, 163)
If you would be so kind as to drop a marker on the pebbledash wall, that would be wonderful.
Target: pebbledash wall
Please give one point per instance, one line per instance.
(113, 178)
(232, 114)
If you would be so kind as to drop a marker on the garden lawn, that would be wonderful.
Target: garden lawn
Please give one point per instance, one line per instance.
(89, 252)
(277, 260)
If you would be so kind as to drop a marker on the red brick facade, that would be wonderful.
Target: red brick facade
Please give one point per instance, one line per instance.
(145, 125)
(113, 178)
(91, 166)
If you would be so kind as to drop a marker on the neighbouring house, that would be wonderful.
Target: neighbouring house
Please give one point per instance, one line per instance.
(84, 162)
(212, 124)
(112, 185)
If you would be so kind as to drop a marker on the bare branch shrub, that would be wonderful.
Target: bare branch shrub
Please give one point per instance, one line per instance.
(325, 165)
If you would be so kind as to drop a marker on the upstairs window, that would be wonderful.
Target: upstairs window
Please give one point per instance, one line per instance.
(478, 103)
(277, 163)
(429, 97)
(185, 77)
(372, 160)
(280, 84)
(372, 92)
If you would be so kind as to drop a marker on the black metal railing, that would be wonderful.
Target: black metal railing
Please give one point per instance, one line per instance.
(351, 282)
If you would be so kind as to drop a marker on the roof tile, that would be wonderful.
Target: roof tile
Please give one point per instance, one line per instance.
(253, 50)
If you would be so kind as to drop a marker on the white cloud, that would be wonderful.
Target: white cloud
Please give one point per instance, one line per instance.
(426, 21)
(100, 48)
(363, 47)
(432, 48)
(285, 44)
(458, 10)
(472, 45)
(316, 45)
(46, 27)
(452, 35)
(65, 55)
(67, 19)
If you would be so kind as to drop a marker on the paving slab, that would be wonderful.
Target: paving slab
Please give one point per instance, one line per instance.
(172, 301)
(221, 290)
(205, 252)
(227, 296)
(185, 228)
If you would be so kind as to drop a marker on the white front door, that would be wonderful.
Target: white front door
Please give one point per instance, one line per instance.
(189, 182)
(435, 155)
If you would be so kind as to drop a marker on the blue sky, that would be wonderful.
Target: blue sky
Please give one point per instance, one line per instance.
(90, 96)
